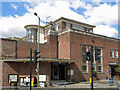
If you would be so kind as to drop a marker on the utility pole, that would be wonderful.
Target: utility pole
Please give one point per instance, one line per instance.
(30, 67)
(38, 45)
(91, 59)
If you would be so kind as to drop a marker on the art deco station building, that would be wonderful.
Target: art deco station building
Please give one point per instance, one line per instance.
(63, 46)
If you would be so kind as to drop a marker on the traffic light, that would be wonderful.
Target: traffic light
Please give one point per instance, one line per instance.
(88, 56)
(97, 53)
(36, 56)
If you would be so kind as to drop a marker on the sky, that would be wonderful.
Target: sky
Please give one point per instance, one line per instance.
(15, 14)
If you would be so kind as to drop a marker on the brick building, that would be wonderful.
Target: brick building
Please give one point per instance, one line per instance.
(63, 45)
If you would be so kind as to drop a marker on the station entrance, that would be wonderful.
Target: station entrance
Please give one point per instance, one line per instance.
(58, 71)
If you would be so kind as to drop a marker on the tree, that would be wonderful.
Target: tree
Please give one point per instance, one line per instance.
(117, 69)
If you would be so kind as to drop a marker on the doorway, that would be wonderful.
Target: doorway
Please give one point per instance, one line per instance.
(112, 70)
(58, 71)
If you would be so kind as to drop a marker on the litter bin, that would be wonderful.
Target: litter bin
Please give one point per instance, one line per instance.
(110, 81)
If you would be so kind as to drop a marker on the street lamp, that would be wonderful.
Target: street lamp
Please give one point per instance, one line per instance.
(46, 19)
(38, 44)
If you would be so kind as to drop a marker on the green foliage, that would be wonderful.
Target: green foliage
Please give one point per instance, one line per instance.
(94, 73)
(117, 69)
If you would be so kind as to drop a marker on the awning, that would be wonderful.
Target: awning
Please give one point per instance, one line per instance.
(41, 59)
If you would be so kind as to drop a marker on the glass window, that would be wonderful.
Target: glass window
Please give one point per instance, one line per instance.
(57, 27)
(111, 53)
(84, 68)
(31, 35)
(84, 49)
(116, 53)
(84, 58)
(67, 25)
(77, 27)
(89, 30)
(99, 68)
(84, 62)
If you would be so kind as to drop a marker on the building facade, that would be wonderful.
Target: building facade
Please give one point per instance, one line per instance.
(63, 46)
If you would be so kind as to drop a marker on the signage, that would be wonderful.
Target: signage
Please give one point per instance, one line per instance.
(13, 78)
(42, 78)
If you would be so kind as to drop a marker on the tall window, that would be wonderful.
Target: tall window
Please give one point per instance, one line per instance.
(84, 62)
(31, 35)
(111, 53)
(100, 62)
(116, 53)
(57, 27)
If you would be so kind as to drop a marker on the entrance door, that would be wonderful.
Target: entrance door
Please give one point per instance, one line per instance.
(113, 73)
(61, 72)
(57, 72)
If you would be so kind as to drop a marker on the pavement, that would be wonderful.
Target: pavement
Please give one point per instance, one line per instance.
(97, 84)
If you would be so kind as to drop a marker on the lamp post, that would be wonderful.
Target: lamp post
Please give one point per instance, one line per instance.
(46, 19)
(38, 45)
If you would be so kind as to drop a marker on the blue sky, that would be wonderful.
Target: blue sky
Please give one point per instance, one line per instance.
(15, 14)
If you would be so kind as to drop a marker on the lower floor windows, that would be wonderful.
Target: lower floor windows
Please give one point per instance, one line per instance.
(99, 68)
(84, 68)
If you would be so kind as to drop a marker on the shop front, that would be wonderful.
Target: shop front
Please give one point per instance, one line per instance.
(50, 69)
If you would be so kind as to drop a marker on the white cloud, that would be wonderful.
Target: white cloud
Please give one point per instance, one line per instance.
(105, 30)
(104, 13)
(14, 6)
(14, 26)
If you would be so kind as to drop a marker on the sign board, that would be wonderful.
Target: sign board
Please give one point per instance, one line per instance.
(72, 72)
(13, 78)
(42, 78)
(68, 72)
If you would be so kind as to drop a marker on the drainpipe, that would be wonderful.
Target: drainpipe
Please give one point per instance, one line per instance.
(16, 50)
(57, 46)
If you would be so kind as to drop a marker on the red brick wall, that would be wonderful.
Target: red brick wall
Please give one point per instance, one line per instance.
(1, 70)
(76, 53)
(8, 48)
(52, 41)
(64, 46)
(23, 70)
(21, 49)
